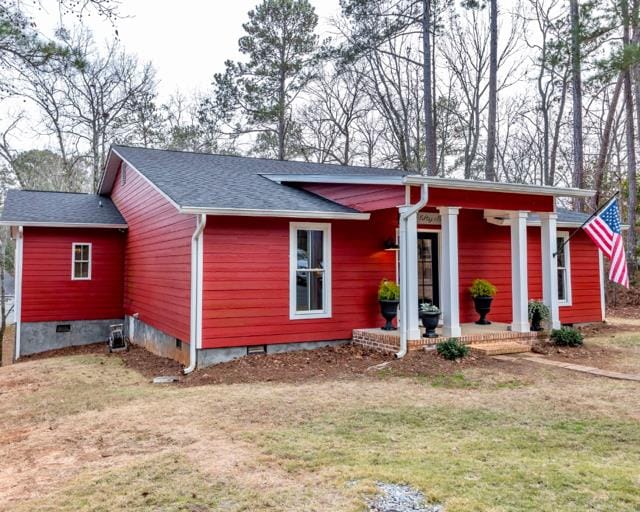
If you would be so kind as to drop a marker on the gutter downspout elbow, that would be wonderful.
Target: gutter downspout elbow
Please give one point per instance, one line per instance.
(196, 295)
(406, 212)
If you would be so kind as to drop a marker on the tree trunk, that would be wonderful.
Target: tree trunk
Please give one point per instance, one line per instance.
(601, 162)
(553, 156)
(429, 129)
(281, 107)
(576, 75)
(632, 203)
(490, 170)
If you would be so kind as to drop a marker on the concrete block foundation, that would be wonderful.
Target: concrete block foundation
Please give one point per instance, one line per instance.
(156, 341)
(36, 337)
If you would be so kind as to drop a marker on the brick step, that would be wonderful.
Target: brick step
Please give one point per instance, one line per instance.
(495, 349)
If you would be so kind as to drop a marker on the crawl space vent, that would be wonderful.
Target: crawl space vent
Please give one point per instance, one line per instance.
(63, 328)
(257, 349)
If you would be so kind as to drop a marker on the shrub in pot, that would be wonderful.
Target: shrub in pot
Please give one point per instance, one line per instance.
(389, 298)
(538, 312)
(482, 292)
(429, 314)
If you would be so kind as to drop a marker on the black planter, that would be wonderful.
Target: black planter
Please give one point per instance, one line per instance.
(389, 310)
(536, 319)
(430, 322)
(483, 306)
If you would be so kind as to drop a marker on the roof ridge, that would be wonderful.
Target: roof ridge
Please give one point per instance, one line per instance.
(53, 192)
(392, 169)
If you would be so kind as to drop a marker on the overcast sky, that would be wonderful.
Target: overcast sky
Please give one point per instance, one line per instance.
(187, 40)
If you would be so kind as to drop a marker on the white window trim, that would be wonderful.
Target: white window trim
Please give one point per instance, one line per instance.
(294, 227)
(73, 261)
(566, 249)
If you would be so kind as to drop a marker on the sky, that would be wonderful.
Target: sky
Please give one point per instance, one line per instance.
(187, 40)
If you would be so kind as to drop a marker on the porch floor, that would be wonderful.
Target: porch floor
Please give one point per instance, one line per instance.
(389, 341)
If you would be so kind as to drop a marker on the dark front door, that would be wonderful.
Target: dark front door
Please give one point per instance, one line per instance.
(428, 290)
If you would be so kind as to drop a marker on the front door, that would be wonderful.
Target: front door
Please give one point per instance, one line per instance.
(428, 290)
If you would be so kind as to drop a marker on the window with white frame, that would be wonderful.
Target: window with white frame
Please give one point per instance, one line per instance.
(564, 270)
(81, 261)
(310, 270)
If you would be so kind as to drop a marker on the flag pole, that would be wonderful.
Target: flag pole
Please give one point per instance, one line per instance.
(566, 241)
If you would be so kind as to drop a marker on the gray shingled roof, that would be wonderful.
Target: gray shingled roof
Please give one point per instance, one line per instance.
(215, 181)
(30, 207)
(564, 217)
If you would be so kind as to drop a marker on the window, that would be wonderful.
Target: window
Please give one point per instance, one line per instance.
(310, 270)
(81, 262)
(564, 270)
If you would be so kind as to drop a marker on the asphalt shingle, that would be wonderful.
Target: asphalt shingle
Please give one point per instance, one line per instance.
(40, 207)
(216, 181)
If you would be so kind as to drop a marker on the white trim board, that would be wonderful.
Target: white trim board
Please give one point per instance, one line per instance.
(19, 255)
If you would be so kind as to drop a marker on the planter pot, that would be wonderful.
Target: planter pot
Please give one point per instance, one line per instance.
(430, 322)
(389, 310)
(536, 320)
(483, 306)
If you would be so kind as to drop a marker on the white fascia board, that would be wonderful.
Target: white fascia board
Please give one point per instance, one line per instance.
(516, 188)
(61, 224)
(345, 179)
(294, 214)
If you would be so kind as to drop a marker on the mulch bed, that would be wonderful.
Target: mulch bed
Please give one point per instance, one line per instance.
(329, 363)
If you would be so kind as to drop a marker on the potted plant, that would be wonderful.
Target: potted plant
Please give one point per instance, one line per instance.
(429, 314)
(482, 292)
(389, 298)
(538, 311)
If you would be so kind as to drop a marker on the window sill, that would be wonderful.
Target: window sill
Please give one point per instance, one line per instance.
(309, 316)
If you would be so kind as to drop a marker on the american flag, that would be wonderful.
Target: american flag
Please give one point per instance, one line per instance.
(605, 230)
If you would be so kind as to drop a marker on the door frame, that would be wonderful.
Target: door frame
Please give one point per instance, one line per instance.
(423, 230)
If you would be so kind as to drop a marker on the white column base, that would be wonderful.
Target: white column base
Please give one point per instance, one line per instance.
(451, 331)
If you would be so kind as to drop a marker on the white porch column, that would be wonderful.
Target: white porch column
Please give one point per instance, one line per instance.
(450, 291)
(519, 275)
(550, 266)
(409, 259)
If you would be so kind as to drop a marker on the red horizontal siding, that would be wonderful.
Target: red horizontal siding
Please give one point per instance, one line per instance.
(378, 197)
(157, 258)
(48, 292)
(246, 280)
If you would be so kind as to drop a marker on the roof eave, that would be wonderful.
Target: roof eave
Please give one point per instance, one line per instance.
(345, 179)
(36, 224)
(294, 214)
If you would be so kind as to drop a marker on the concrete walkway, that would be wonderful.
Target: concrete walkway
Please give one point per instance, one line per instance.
(534, 358)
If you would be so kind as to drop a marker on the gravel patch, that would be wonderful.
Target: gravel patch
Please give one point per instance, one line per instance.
(400, 498)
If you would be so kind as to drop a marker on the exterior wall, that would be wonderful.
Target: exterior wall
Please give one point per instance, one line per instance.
(42, 336)
(157, 282)
(155, 340)
(376, 197)
(246, 280)
(48, 292)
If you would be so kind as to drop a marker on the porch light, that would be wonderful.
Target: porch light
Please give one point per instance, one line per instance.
(391, 245)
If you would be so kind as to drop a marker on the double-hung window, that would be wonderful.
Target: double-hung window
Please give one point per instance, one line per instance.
(310, 270)
(81, 261)
(564, 270)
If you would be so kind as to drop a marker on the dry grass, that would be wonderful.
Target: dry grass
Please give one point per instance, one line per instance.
(83, 433)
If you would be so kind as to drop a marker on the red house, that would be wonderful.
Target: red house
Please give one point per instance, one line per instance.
(205, 258)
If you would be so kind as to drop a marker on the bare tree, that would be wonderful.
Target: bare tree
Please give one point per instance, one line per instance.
(576, 79)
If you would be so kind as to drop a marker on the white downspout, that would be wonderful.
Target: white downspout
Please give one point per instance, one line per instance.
(196, 293)
(18, 289)
(406, 212)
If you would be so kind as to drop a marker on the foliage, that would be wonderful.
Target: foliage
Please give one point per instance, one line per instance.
(452, 349)
(567, 337)
(536, 306)
(388, 290)
(257, 95)
(482, 288)
(428, 307)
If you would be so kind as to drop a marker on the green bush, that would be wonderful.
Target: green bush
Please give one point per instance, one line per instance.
(388, 290)
(567, 337)
(482, 288)
(452, 349)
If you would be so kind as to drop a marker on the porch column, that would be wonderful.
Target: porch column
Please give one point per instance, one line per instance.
(519, 275)
(450, 292)
(409, 257)
(550, 266)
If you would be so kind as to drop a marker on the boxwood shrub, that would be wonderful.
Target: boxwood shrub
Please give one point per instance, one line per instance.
(567, 337)
(452, 349)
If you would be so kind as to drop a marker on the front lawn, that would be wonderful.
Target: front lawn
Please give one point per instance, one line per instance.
(85, 433)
